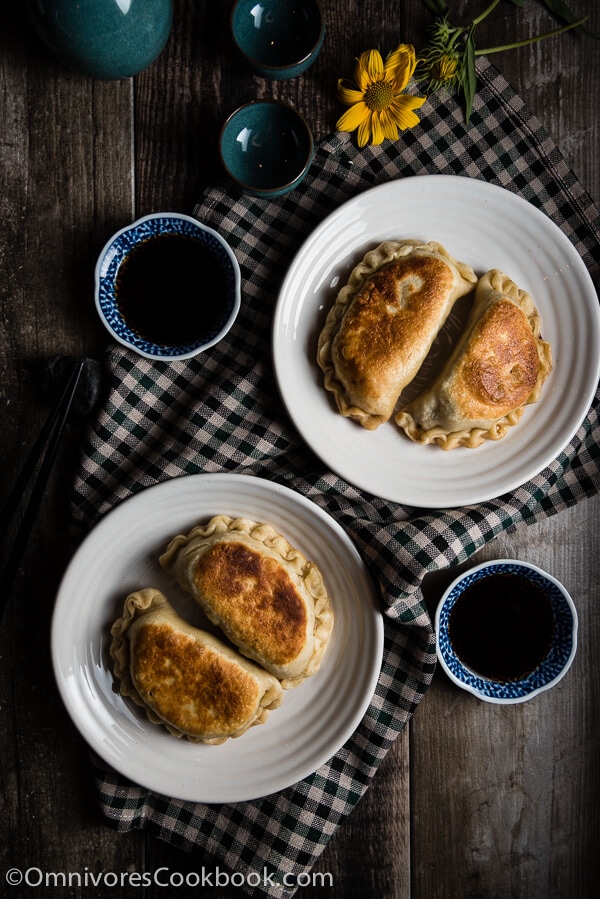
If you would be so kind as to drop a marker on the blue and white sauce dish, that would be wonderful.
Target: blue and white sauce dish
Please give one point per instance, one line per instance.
(167, 286)
(506, 631)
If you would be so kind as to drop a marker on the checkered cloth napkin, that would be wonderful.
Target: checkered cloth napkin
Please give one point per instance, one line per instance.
(221, 413)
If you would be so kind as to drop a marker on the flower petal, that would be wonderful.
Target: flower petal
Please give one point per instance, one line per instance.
(389, 126)
(402, 112)
(400, 66)
(361, 76)
(364, 132)
(353, 118)
(375, 65)
(369, 68)
(348, 93)
(378, 133)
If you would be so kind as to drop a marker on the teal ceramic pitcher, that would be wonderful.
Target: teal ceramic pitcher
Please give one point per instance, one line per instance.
(107, 39)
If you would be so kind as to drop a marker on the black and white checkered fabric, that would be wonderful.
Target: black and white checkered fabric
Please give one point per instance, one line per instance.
(221, 412)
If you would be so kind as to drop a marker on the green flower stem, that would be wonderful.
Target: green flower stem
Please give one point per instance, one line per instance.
(531, 40)
(486, 12)
(458, 33)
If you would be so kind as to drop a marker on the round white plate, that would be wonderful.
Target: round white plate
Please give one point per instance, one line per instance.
(121, 555)
(487, 227)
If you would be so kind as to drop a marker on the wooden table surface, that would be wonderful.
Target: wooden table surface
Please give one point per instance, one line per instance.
(473, 800)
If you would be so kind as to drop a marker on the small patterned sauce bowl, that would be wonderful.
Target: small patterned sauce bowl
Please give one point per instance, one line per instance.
(266, 148)
(167, 286)
(506, 631)
(279, 39)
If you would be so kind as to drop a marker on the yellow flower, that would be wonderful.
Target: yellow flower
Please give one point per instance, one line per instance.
(378, 106)
(444, 61)
(445, 68)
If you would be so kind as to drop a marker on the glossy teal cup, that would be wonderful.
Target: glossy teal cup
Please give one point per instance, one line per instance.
(266, 148)
(279, 39)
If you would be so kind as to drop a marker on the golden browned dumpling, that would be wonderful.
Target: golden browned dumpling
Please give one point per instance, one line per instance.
(263, 594)
(184, 678)
(383, 324)
(498, 366)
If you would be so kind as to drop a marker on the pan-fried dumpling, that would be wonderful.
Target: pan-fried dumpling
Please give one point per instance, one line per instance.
(263, 594)
(184, 678)
(383, 323)
(498, 366)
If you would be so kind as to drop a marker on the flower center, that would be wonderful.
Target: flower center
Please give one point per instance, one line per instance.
(379, 95)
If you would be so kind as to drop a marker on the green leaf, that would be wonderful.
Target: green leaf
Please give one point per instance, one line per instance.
(437, 7)
(560, 9)
(469, 84)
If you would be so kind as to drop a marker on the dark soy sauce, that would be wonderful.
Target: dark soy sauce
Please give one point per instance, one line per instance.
(501, 626)
(171, 289)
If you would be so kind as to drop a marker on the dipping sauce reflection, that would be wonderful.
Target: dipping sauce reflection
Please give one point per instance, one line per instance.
(171, 289)
(501, 626)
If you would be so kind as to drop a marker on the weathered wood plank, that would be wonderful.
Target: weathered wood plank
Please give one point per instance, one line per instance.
(508, 795)
(370, 855)
(66, 184)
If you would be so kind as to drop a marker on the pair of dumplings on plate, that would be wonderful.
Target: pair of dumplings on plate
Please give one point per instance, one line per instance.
(268, 601)
(384, 322)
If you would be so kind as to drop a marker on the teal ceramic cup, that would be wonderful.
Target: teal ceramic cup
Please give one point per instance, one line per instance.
(279, 39)
(266, 148)
(106, 39)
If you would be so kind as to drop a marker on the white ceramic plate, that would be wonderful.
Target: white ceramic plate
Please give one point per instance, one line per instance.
(120, 555)
(488, 227)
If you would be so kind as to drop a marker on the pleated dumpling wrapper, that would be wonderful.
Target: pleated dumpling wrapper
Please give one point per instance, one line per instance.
(384, 322)
(184, 677)
(498, 367)
(266, 597)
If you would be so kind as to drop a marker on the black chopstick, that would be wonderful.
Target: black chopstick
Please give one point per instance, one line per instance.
(49, 437)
